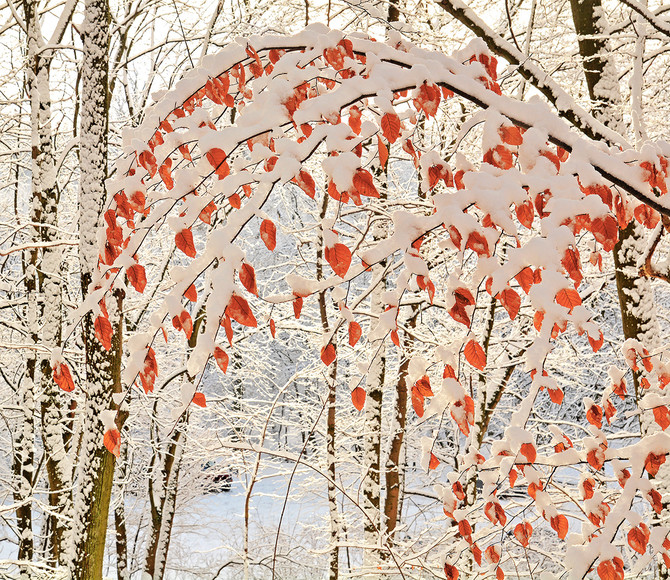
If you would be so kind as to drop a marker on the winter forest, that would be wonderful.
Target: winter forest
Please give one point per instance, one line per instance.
(333, 289)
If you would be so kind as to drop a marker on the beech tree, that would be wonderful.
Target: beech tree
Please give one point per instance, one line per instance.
(322, 107)
(442, 235)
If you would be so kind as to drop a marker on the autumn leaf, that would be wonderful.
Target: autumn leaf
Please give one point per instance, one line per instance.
(112, 441)
(525, 213)
(273, 328)
(363, 183)
(328, 354)
(339, 258)
(63, 378)
(511, 302)
(269, 234)
(238, 309)
(390, 125)
(137, 277)
(450, 572)
(191, 293)
(569, 298)
(199, 399)
(297, 307)
(103, 331)
(662, 416)
(523, 532)
(305, 182)
(184, 241)
(653, 463)
(528, 451)
(358, 398)
(638, 538)
(383, 152)
(475, 354)
(354, 333)
(147, 160)
(221, 358)
(434, 462)
(560, 525)
(248, 278)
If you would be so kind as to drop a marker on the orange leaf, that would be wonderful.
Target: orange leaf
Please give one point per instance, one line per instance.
(609, 570)
(525, 213)
(638, 538)
(358, 398)
(191, 294)
(238, 309)
(434, 462)
(228, 327)
(569, 298)
(525, 279)
(390, 125)
(528, 451)
(383, 151)
(147, 160)
(354, 333)
(306, 182)
(328, 354)
(221, 358)
(297, 307)
(269, 234)
(511, 302)
(137, 277)
(339, 258)
(206, 213)
(475, 354)
(662, 416)
(560, 524)
(199, 399)
(523, 532)
(63, 378)
(273, 328)
(364, 184)
(217, 159)
(103, 331)
(184, 241)
(248, 278)
(423, 386)
(112, 441)
(450, 572)
(653, 463)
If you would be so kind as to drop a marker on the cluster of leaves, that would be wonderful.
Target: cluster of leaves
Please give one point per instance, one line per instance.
(355, 104)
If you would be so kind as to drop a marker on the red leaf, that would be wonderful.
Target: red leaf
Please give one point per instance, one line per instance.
(248, 278)
(491, 554)
(191, 293)
(199, 399)
(569, 298)
(478, 244)
(390, 125)
(137, 277)
(423, 386)
(528, 451)
(165, 173)
(235, 201)
(475, 354)
(525, 279)
(450, 572)
(638, 538)
(560, 524)
(653, 463)
(500, 575)
(606, 232)
(184, 241)
(523, 532)
(595, 416)
(358, 398)
(354, 333)
(238, 309)
(525, 213)
(417, 402)
(364, 184)
(556, 395)
(297, 307)
(273, 328)
(662, 416)
(306, 182)
(609, 570)
(112, 441)
(511, 302)
(63, 378)
(269, 234)
(510, 135)
(328, 354)
(217, 159)
(434, 462)
(339, 258)
(383, 152)
(221, 358)
(206, 213)
(147, 160)
(103, 331)
(228, 327)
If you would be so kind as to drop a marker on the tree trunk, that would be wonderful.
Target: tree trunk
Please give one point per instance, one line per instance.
(103, 368)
